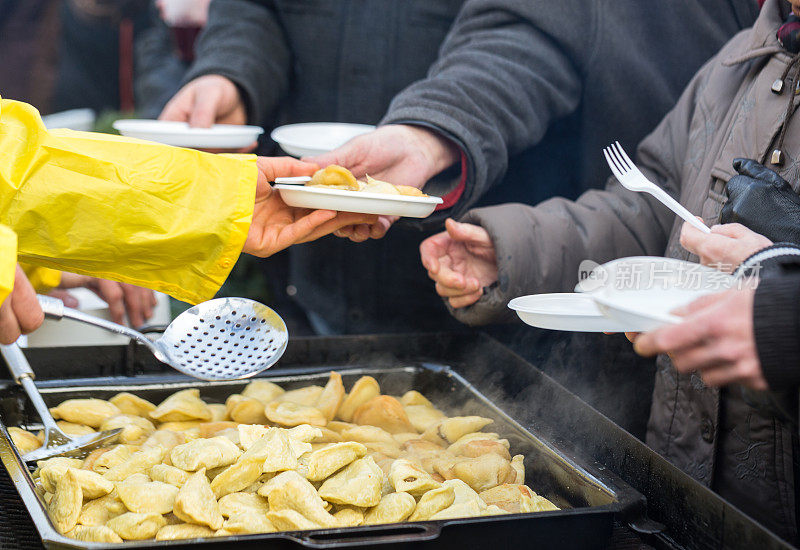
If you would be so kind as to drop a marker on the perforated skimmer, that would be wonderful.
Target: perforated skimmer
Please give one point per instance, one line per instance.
(221, 339)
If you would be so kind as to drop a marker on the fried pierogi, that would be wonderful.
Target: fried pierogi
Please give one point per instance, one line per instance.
(154, 497)
(91, 412)
(65, 506)
(385, 412)
(182, 406)
(362, 391)
(271, 460)
(183, 531)
(288, 413)
(325, 462)
(358, 484)
(128, 403)
(134, 526)
(393, 508)
(24, 440)
(204, 453)
(196, 503)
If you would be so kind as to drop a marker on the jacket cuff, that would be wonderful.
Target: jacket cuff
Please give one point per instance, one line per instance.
(769, 260)
(776, 325)
(474, 168)
(492, 307)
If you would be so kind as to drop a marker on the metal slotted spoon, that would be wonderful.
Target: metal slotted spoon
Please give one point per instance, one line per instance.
(221, 339)
(56, 442)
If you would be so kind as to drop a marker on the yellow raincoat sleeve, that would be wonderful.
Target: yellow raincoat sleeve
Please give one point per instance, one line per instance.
(170, 219)
(8, 261)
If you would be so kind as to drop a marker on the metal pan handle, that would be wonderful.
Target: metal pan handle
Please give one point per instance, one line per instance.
(399, 533)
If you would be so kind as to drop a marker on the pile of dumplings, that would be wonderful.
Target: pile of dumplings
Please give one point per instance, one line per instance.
(274, 460)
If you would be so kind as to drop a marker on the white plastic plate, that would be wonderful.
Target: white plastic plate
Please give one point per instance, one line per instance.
(357, 201)
(180, 134)
(315, 138)
(570, 312)
(644, 291)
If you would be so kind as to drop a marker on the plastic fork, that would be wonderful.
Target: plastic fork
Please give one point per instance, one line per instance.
(632, 179)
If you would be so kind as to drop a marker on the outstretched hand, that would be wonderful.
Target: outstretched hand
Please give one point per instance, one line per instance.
(275, 225)
(716, 339)
(461, 261)
(397, 153)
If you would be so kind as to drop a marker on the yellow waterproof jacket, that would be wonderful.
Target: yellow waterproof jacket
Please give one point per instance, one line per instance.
(170, 219)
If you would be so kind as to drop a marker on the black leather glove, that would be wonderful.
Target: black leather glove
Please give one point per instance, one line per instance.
(762, 201)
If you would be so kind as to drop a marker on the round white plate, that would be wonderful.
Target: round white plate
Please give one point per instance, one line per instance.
(571, 312)
(340, 200)
(644, 291)
(315, 138)
(180, 134)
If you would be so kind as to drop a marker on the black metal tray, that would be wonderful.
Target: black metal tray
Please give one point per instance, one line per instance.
(590, 496)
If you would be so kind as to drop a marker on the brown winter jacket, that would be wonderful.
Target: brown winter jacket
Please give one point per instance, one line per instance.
(727, 111)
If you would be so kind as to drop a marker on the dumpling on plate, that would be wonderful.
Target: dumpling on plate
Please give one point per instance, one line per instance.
(181, 406)
(413, 397)
(423, 417)
(196, 503)
(357, 484)
(334, 176)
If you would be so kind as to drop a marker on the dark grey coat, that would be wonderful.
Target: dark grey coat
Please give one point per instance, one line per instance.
(532, 87)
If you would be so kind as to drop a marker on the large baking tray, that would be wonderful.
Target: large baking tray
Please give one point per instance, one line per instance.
(590, 497)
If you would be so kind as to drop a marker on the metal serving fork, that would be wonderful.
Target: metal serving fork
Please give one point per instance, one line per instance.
(632, 179)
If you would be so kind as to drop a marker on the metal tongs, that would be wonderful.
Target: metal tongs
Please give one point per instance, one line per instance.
(56, 442)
